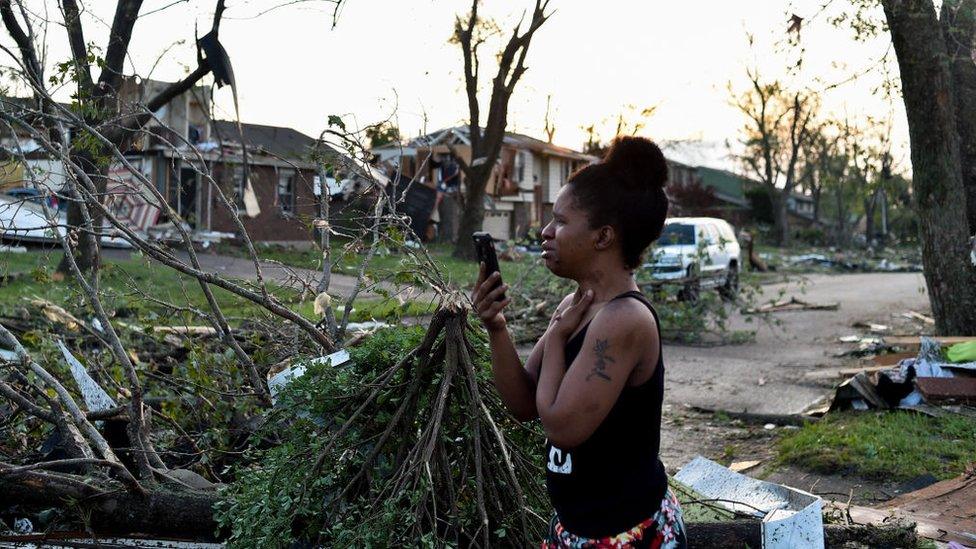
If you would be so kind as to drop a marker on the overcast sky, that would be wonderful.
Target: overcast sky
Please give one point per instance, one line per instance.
(392, 58)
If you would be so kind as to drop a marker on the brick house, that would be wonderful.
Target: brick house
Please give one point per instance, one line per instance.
(283, 177)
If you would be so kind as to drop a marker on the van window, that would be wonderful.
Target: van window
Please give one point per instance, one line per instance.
(677, 234)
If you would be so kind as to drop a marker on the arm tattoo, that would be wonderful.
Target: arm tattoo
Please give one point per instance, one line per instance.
(602, 361)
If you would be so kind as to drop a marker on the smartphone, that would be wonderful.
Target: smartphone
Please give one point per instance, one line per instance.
(484, 246)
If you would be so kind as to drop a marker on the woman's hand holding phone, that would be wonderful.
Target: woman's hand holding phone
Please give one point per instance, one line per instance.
(488, 299)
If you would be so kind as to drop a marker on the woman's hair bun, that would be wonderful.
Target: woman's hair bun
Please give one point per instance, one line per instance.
(638, 161)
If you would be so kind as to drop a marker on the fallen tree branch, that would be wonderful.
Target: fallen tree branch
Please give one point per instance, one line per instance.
(114, 511)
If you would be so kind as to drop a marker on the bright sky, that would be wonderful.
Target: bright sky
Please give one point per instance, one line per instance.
(392, 58)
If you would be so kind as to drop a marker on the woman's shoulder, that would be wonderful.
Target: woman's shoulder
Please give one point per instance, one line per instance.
(628, 308)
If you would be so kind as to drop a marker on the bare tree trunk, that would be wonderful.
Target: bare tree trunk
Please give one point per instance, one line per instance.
(959, 28)
(88, 258)
(487, 145)
(870, 205)
(816, 193)
(937, 173)
(472, 217)
(781, 217)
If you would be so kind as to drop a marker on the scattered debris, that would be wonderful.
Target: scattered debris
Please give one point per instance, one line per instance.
(962, 352)
(867, 346)
(740, 466)
(857, 393)
(916, 341)
(186, 330)
(96, 399)
(871, 327)
(7, 249)
(758, 419)
(793, 304)
(919, 316)
(366, 326)
(901, 380)
(57, 315)
(937, 390)
(944, 511)
(790, 517)
(279, 379)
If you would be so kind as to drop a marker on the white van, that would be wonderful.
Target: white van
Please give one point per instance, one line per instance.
(696, 252)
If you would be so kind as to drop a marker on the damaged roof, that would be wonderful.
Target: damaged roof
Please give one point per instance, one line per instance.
(459, 134)
(273, 140)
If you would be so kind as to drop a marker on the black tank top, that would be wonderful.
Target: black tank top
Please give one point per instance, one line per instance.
(614, 480)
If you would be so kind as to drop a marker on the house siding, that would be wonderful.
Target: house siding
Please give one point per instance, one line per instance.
(271, 225)
(555, 178)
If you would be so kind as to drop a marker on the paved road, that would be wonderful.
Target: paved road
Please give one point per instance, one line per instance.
(728, 377)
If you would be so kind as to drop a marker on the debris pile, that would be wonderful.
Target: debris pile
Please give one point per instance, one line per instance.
(886, 260)
(932, 375)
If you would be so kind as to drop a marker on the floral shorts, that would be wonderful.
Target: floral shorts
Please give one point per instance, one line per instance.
(665, 530)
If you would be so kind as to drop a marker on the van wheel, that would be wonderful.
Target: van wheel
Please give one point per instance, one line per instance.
(730, 290)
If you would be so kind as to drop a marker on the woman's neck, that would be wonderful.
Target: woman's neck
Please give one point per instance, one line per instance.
(607, 285)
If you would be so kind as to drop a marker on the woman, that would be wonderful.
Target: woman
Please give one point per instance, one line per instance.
(596, 377)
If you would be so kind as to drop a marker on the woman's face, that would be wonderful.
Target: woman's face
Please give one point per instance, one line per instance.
(567, 241)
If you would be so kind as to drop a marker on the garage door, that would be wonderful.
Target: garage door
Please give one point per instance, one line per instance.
(498, 224)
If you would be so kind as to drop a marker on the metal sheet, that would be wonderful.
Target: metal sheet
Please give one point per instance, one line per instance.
(96, 399)
(280, 380)
(790, 517)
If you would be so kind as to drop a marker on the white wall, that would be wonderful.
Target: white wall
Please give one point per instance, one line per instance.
(555, 178)
(47, 172)
(498, 224)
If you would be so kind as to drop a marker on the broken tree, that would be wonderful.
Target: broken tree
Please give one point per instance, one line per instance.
(471, 33)
(98, 99)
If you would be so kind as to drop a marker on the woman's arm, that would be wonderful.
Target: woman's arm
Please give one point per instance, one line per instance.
(573, 404)
(515, 385)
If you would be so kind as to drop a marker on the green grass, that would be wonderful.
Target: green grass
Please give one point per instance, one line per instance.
(459, 272)
(123, 283)
(894, 445)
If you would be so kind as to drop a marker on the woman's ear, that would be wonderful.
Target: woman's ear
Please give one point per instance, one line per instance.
(605, 237)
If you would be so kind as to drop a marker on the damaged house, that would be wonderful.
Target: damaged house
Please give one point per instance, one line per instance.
(278, 199)
(276, 202)
(520, 194)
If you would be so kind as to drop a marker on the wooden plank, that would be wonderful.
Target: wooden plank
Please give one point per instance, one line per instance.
(892, 359)
(909, 341)
(957, 390)
(869, 369)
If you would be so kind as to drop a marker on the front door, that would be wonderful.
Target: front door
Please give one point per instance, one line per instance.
(187, 204)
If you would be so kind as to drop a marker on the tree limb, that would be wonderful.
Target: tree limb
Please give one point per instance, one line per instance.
(79, 51)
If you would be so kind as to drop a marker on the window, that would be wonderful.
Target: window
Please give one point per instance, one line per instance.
(286, 191)
(567, 169)
(520, 166)
(677, 234)
(239, 185)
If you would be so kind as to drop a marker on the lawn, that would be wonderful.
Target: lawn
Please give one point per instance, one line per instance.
(387, 262)
(131, 284)
(893, 445)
